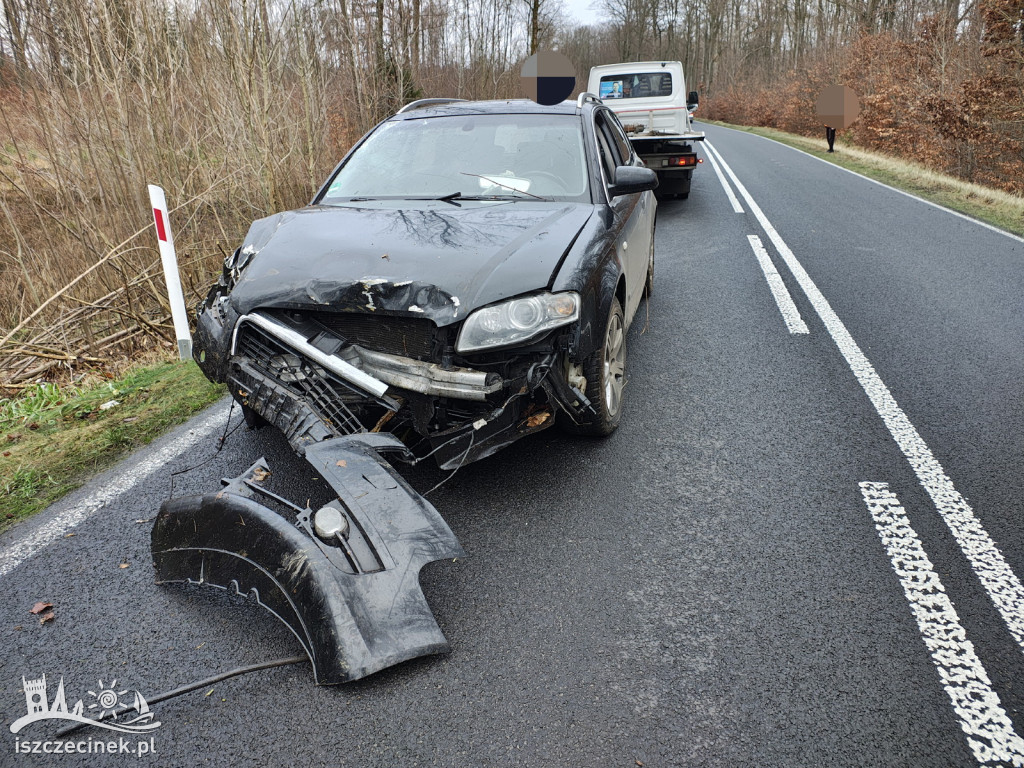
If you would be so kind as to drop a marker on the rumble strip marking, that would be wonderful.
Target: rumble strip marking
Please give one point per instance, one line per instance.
(989, 731)
(20, 551)
(1001, 583)
(790, 314)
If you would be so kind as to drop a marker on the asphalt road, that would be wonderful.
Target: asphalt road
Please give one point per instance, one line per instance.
(724, 582)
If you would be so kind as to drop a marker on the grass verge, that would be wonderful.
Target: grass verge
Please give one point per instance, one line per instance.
(1000, 209)
(52, 439)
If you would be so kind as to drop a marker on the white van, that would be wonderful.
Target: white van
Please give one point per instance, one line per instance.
(653, 105)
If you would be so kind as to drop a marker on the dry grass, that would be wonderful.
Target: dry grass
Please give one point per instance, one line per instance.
(237, 109)
(228, 111)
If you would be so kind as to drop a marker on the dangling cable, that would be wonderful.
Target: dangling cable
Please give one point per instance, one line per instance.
(220, 444)
(192, 687)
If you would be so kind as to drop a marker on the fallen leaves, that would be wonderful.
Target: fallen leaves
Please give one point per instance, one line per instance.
(46, 609)
(342, 463)
(537, 419)
(260, 474)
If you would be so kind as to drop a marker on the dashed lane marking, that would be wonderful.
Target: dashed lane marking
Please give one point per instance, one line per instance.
(725, 185)
(787, 308)
(1001, 583)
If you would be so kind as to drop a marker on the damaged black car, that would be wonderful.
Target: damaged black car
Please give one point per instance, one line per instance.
(465, 277)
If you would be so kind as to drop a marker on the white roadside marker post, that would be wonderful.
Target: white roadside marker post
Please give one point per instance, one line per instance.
(170, 262)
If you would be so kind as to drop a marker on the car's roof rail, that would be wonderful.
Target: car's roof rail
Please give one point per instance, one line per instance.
(421, 103)
(585, 97)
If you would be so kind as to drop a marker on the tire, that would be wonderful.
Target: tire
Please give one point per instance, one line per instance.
(605, 371)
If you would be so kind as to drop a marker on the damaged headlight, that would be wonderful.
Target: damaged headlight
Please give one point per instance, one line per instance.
(518, 320)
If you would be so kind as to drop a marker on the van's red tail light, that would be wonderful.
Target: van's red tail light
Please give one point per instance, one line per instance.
(682, 161)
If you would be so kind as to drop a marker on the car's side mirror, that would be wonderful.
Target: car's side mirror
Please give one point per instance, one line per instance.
(630, 179)
(693, 98)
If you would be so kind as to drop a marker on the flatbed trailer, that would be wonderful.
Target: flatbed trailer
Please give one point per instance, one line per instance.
(652, 103)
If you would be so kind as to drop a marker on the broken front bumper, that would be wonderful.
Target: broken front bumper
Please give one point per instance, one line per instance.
(299, 373)
(344, 579)
(368, 371)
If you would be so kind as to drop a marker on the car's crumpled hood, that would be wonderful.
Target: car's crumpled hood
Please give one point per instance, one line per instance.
(421, 258)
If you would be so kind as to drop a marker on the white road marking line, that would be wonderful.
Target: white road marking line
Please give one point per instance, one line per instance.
(912, 196)
(55, 529)
(725, 185)
(787, 308)
(1001, 583)
(989, 730)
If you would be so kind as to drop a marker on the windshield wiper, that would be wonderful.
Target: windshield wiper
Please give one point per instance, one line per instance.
(450, 198)
(446, 198)
(506, 198)
(499, 184)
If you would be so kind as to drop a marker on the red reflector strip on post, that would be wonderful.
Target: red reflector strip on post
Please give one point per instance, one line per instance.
(161, 231)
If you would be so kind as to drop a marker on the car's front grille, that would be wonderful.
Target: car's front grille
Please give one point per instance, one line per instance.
(406, 336)
(323, 391)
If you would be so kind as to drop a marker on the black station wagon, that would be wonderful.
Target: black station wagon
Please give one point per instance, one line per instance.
(466, 276)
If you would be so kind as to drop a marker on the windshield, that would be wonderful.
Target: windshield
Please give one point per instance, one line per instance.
(641, 85)
(506, 156)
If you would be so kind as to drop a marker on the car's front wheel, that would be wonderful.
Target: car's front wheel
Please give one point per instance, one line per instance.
(605, 371)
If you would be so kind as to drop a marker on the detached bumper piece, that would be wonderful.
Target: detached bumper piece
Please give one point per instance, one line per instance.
(344, 578)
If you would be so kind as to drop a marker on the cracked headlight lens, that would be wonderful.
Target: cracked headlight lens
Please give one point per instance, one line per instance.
(518, 320)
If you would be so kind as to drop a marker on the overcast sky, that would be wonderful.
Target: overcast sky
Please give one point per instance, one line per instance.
(581, 10)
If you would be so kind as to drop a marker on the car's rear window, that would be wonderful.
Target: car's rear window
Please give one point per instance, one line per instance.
(641, 85)
(474, 155)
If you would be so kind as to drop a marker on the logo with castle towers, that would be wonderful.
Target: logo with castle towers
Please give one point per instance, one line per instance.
(110, 710)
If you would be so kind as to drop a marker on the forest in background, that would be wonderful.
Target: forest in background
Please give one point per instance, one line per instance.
(239, 108)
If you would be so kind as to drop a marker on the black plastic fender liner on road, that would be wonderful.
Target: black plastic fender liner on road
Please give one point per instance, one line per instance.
(350, 593)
